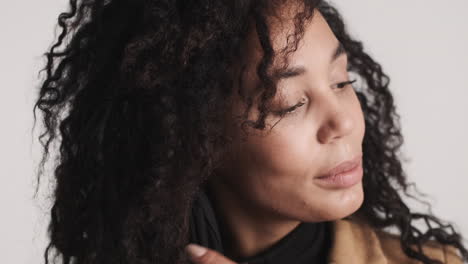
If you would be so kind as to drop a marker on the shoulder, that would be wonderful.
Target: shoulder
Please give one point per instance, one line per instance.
(356, 240)
(390, 244)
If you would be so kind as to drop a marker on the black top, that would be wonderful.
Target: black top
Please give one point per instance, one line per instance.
(307, 243)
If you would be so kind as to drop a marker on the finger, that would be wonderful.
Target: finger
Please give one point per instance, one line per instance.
(203, 255)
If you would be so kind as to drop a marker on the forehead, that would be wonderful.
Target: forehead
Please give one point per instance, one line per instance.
(317, 42)
(316, 45)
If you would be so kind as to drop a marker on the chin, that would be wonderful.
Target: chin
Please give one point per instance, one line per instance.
(338, 204)
(346, 202)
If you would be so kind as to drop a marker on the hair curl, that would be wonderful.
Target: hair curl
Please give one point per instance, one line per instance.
(136, 99)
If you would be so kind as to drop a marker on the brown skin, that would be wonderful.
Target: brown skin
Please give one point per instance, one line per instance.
(268, 186)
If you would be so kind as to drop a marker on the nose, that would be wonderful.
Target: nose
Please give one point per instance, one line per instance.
(337, 122)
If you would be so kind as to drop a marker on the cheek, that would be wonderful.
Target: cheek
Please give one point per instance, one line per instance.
(276, 165)
(285, 151)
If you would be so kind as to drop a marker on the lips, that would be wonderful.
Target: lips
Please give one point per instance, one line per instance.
(343, 167)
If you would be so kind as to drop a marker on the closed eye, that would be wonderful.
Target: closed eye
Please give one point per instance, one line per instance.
(344, 84)
(291, 109)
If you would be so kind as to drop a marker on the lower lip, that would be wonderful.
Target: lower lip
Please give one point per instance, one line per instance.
(342, 180)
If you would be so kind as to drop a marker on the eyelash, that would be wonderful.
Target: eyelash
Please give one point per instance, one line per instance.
(291, 109)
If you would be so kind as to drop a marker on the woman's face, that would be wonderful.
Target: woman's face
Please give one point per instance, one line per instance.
(274, 173)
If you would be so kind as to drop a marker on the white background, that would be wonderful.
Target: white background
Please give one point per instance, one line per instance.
(422, 45)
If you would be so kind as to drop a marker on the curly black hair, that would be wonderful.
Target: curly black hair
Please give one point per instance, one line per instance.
(135, 94)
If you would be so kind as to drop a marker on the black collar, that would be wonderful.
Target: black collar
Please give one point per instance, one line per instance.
(307, 243)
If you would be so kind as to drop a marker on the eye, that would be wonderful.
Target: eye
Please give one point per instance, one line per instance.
(290, 109)
(342, 85)
(293, 108)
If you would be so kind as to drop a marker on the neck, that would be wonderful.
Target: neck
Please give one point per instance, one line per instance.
(245, 229)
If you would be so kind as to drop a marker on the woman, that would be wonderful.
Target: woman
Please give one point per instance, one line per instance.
(234, 125)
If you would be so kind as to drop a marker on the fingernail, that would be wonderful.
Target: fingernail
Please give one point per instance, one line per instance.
(195, 251)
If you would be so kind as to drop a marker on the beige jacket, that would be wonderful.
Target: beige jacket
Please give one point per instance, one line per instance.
(355, 242)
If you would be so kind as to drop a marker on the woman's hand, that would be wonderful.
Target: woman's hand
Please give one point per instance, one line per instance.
(203, 255)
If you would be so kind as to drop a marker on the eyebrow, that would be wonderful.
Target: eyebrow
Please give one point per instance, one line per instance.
(295, 71)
